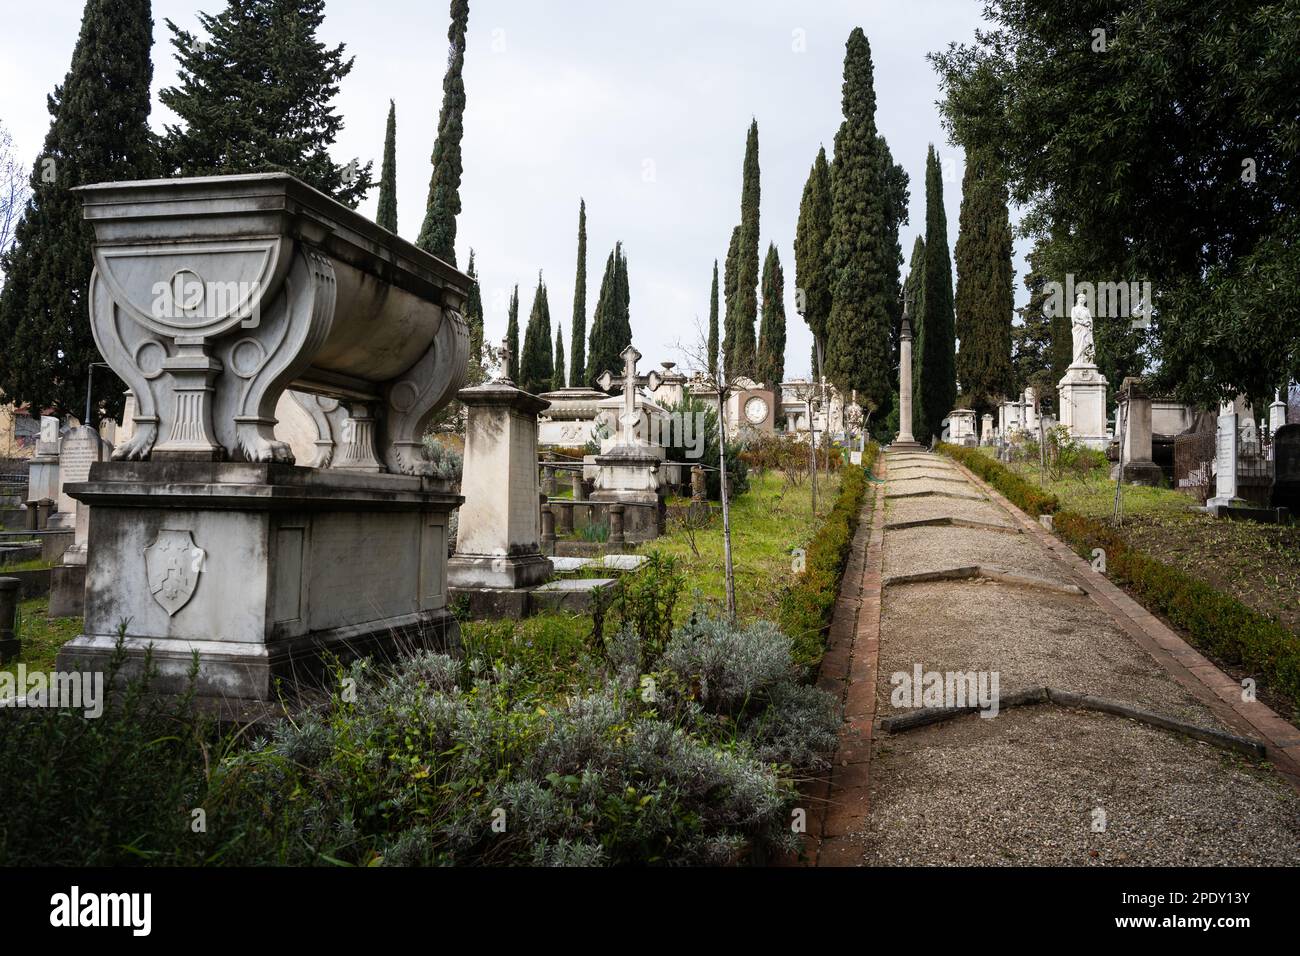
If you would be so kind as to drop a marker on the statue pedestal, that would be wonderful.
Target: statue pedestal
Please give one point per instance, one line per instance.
(1083, 404)
(260, 569)
(629, 475)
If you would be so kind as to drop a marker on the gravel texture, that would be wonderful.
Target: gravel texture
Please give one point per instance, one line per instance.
(1021, 788)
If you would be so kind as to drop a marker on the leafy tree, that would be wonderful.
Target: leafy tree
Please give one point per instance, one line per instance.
(536, 369)
(712, 344)
(512, 335)
(99, 131)
(386, 213)
(984, 299)
(256, 96)
(438, 234)
(936, 387)
(857, 330)
(578, 338)
(1178, 166)
(771, 340)
(812, 266)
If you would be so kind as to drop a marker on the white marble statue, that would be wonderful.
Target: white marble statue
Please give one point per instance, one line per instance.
(1081, 331)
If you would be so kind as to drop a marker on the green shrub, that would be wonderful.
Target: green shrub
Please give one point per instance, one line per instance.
(806, 606)
(1215, 622)
(1021, 493)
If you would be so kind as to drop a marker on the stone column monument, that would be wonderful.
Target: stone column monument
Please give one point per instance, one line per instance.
(498, 537)
(905, 441)
(209, 298)
(1083, 388)
(1227, 446)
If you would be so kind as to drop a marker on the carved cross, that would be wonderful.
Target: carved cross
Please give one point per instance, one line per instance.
(504, 356)
(630, 383)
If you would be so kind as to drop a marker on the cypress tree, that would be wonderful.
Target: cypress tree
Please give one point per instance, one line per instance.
(512, 335)
(914, 296)
(729, 285)
(1031, 341)
(771, 339)
(438, 233)
(936, 337)
(897, 197)
(611, 329)
(474, 323)
(747, 275)
(558, 379)
(536, 369)
(811, 264)
(578, 336)
(256, 96)
(984, 300)
(712, 345)
(386, 214)
(857, 330)
(99, 131)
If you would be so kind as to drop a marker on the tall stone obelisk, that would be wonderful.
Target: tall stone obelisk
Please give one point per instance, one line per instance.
(905, 441)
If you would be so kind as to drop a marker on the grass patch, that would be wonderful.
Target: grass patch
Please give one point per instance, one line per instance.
(42, 636)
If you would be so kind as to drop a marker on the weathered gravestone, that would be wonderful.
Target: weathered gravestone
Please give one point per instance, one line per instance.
(210, 297)
(82, 447)
(1226, 449)
(43, 471)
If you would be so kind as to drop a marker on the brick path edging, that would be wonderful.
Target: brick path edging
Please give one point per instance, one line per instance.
(839, 798)
(1219, 692)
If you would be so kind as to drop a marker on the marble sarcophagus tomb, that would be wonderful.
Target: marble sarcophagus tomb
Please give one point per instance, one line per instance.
(210, 298)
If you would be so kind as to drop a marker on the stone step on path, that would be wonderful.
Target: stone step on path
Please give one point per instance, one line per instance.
(1043, 785)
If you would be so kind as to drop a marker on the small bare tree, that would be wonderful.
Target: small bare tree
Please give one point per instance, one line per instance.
(14, 191)
(697, 361)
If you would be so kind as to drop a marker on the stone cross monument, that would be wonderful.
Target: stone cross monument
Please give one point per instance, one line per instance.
(631, 418)
(629, 472)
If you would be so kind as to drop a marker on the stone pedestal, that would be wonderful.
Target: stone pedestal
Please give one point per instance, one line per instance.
(986, 430)
(498, 541)
(82, 447)
(905, 441)
(260, 568)
(961, 426)
(629, 475)
(1135, 417)
(1083, 404)
(1226, 448)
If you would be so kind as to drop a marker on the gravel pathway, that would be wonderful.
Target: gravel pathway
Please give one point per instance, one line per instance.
(1024, 786)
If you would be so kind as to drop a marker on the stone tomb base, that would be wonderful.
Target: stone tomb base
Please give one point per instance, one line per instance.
(261, 569)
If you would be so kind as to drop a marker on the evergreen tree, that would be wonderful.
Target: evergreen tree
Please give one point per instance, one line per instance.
(99, 131)
(747, 275)
(897, 197)
(256, 96)
(438, 234)
(1031, 341)
(558, 379)
(729, 285)
(984, 300)
(512, 335)
(914, 297)
(935, 337)
(386, 214)
(812, 267)
(536, 368)
(712, 346)
(578, 336)
(474, 323)
(611, 328)
(771, 339)
(857, 330)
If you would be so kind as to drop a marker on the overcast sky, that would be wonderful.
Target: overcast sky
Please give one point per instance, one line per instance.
(639, 108)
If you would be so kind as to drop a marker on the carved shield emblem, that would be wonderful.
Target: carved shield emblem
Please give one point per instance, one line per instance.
(173, 563)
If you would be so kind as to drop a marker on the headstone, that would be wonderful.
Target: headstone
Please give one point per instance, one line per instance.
(1276, 414)
(499, 542)
(43, 470)
(1135, 414)
(81, 448)
(630, 469)
(1225, 462)
(211, 296)
(986, 430)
